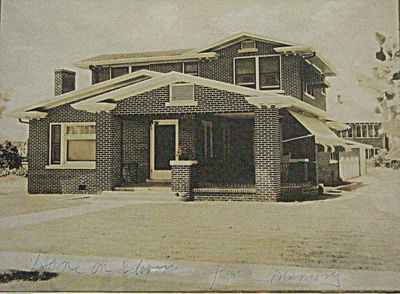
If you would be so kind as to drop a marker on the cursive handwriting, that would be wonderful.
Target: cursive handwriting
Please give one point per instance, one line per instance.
(274, 277)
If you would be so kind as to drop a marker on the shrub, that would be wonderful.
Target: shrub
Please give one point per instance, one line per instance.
(9, 156)
(379, 159)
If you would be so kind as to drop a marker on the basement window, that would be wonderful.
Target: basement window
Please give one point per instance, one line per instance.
(72, 145)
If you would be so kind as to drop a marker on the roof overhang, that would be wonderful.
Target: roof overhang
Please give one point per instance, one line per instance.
(161, 81)
(107, 101)
(30, 111)
(323, 135)
(355, 144)
(27, 115)
(316, 58)
(336, 125)
(238, 37)
(170, 58)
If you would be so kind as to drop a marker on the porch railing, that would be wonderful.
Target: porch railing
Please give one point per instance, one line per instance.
(292, 174)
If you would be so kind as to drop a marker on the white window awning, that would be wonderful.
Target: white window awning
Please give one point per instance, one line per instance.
(323, 135)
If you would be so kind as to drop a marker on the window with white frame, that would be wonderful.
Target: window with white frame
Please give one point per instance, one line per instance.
(260, 72)
(72, 143)
(367, 130)
(191, 68)
(181, 92)
(208, 139)
(248, 44)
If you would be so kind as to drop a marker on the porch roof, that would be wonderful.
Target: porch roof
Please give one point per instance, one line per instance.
(107, 101)
(323, 135)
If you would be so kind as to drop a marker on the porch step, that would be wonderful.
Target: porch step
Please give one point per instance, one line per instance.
(141, 192)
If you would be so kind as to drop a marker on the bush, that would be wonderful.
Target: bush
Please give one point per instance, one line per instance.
(18, 172)
(9, 156)
(379, 159)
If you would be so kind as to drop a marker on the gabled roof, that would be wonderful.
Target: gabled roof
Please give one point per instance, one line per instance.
(38, 110)
(138, 54)
(107, 101)
(316, 57)
(238, 37)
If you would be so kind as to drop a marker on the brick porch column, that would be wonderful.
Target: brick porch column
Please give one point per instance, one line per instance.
(267, 153)
(182, 176)
(108, 151)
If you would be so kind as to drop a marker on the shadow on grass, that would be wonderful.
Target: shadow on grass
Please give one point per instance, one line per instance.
(34, 276)
(332, 193)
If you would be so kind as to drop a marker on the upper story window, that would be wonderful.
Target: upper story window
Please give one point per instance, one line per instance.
(119, 71)
(139, 67)
(73, 144)
(191, 68)
(313, 81)
(260, 72)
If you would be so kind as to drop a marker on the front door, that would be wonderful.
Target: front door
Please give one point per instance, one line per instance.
(163, 148)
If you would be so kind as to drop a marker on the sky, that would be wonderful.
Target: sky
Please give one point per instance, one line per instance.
(38, 36)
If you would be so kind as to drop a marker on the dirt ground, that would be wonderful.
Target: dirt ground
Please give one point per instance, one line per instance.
(360, 230)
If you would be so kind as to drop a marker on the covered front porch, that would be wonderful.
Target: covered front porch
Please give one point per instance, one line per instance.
(222, 156)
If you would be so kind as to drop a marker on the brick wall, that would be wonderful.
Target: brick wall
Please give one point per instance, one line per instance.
(64, 81)
(222, 68)
(41, 180)
(267, 153)
(108, 151)
(209, 100)
(182, 178)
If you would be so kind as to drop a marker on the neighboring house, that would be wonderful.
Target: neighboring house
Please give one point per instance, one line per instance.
(364, 125)
(240, 119)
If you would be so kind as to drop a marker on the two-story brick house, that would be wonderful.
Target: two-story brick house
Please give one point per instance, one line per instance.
(240, 119)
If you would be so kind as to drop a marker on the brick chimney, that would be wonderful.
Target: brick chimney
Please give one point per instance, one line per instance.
(64, 81)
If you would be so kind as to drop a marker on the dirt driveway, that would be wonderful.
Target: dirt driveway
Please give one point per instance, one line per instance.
(360, 230)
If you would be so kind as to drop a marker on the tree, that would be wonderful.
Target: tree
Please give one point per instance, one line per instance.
(384, 85)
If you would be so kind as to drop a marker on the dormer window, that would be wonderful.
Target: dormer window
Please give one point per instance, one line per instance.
(181, 94)
(248, 46)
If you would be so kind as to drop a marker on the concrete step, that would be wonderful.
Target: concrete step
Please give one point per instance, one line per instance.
(141, 193)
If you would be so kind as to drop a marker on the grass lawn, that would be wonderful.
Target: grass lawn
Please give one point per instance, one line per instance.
(358, 231)
(14, 199)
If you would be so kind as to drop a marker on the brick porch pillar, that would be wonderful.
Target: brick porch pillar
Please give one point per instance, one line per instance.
(267, 153)
(182, 176)
(108, 151)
